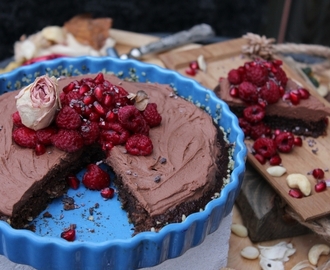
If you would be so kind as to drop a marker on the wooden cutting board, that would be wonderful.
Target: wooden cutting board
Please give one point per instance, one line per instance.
(220, 58)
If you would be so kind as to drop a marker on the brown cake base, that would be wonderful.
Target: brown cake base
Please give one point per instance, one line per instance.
(52, 185)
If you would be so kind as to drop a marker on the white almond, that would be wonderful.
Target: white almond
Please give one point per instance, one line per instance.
(250, 253)
(201, 63)
(239, 230)
(322, 90)
(276, 170)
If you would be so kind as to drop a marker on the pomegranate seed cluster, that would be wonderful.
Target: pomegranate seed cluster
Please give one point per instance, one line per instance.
(93, 111)
(260, 83)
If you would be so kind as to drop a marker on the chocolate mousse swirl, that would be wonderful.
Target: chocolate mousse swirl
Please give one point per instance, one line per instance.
(183, 159)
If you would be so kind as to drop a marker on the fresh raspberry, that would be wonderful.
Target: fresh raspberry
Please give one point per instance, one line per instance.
(143, 128)
(248, 92)
(44, 135)
(234, 76)
(256, 74)
(68, 140)
(245, 126)
(68, 118)
(242, 72)
(284, 142)
(265, 147)
(95, 178)
(270, 92)
(25, 137)
(281, 77)
(139, 145)
(130, 118)
(66, 99)
(254, 113)
(258, 130)
(90, 132)
(116, 134)
(17, 121)
(151, 115)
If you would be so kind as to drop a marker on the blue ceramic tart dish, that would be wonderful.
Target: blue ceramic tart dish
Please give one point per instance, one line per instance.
(121, 251)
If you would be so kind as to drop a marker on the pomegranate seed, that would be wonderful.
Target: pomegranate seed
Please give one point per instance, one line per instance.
(320, 186)
(87, 100)
(275, 160)
(304, 94)
(296, 193)
(260, 158)
(84, 89)
(99, 108)
(107, 146)
(234, 92)
(69, 87)
(107, 193)
(262, 103)
(318, 173)
(94, 117)
(110, 116)
(86, 111)
(99, 78)
(73, 181)
(294, 97)
(297, 141)
(190, 71)
(98, 92)
(194, 65)
(69, 235)
(282, 90)
(108, 100)
(40, 149)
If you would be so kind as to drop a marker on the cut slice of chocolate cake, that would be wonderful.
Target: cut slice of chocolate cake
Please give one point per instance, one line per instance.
(288, 106)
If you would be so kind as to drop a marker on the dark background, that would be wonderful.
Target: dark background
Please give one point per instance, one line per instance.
(308, 20)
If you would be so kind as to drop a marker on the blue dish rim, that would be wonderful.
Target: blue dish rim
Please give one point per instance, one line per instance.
(206, 221)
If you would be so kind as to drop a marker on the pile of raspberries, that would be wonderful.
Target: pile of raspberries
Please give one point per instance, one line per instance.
(93, 111)
(260, 83)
